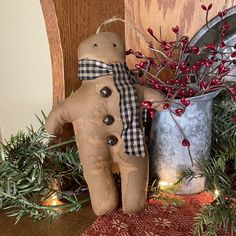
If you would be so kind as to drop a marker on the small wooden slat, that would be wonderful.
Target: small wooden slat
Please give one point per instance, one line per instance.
(187, 14)
(55, 50)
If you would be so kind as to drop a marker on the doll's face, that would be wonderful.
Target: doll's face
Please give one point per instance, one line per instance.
(105, 46)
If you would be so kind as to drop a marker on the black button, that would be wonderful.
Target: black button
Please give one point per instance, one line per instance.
(105, 92)
(108, 120)
(111, 140)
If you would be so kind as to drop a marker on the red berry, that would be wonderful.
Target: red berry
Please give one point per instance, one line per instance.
(213, 81)
(166, 105)
(151, 113)
(211, 46)
(186, 143)
(153, 63)
(175, 29)
(147, 104)
(165, 88)
(150, 31)
(166, 46)
(191, 90)
(233, 54)
(186, 70)
(173, 65)
(202, 85)
(221, 44)
(187, 103)
(204, 7)
(153, 81)
(150, 45)
(224, 12)
(194, 49)
(209, 7)
(184, 41)
(143, 64)
(157, 86)
(234, 119)
(170, 54)
(182, 92)
(183, 100)
(194, 68)
(191, 94)
(139, 55)
(179, 111)
(223, 69)
(188, 79)
(226, 26)
(130, 51)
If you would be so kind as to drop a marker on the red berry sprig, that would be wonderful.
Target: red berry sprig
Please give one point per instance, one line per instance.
(204, 74)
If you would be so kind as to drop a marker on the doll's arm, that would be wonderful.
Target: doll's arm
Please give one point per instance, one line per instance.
(57, 118)
(149, 94)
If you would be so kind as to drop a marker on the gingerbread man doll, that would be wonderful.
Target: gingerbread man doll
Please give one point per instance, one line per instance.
(106, 116)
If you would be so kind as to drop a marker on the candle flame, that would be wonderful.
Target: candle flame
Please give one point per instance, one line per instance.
(52, 201)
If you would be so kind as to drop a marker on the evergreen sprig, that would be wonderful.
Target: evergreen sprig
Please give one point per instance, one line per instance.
(220, 172)
(218, 215)
(29, 168)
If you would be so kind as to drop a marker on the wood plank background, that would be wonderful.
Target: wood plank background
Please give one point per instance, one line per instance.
(187, 14)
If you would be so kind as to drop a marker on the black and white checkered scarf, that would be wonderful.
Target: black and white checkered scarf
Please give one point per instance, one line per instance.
(129, 103)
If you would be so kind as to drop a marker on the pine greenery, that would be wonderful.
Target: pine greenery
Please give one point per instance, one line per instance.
(29, 168)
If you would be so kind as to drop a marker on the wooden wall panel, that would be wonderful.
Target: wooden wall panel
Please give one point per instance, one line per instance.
(77, 19)
(187, 14)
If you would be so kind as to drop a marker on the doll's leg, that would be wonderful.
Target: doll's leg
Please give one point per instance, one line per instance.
(134, 178)
(97, 165)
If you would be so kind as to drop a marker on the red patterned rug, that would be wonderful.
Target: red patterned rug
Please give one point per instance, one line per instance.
(156, 220)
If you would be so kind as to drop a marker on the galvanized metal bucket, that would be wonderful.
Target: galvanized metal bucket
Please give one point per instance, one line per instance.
(167, 154)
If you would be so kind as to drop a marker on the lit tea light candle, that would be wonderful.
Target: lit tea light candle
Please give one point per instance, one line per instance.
(52, 201)
(164, 184)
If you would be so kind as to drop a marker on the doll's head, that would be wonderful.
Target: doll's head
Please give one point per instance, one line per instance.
(104, 46)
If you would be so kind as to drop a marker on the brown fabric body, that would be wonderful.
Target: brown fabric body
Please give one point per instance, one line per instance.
(86, 109)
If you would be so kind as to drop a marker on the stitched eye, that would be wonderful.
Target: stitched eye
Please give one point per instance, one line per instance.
(114, 45)
(95, 45)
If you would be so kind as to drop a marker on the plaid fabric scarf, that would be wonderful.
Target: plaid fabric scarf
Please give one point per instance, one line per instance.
(129, 103)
